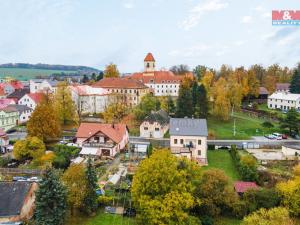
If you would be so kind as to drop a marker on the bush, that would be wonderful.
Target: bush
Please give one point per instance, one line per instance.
(207, 220)
(105, 200)
(240, 209)
(267, 124)
(4, 161)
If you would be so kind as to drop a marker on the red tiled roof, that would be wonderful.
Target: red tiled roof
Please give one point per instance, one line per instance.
(16, 84)
(242, 186)
(124, 82)
(263, 91)
(2, 93)
(149, 57)
(157, 77)
(36, 97)
(115, 132)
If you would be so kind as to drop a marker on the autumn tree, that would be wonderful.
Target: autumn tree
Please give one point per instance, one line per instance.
(214, 193)
(50, 202)
(163, 189)
(90, 200)
(295, 83)
(208, 81)
(199, 71)
(44, 121)
(111, 70)
(30, 148)
(274, 216)
(167, 104)
(115, 112)
(147, 104)
(64, 104)
(259, 72)
(74, 178)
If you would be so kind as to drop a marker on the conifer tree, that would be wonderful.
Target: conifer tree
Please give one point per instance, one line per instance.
(50, 201)
(184, 106)
(295, 83)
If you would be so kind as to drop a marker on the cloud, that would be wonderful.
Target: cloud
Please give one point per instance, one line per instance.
(128, 4)
(259, 8)
(266, 15)
(247, 19)
(201, 9)
(279, 34)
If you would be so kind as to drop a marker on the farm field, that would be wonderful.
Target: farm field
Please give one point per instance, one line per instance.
(27, 74)
(246, 127)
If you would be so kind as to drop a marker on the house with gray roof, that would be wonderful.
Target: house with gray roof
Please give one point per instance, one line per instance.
(17, 201)
(24, 113)
(188, 138)
(155, 125)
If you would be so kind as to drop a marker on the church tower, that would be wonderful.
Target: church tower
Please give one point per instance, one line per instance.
(149, 63)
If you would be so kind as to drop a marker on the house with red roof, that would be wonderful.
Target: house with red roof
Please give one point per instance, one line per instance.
(242, 186)
(162, 82)
(31, 100)
(125, 89)
(101, 140)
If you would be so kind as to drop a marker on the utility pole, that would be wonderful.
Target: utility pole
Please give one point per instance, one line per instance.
(234, 130)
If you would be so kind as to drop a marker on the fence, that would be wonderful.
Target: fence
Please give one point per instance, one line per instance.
(21, 171)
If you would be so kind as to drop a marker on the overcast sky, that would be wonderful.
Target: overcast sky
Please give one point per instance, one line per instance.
(97, 32)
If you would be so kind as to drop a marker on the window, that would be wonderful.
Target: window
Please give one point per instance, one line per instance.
(199, 152)
(156, 129)
(148, 65)
(199, 142)
(181, 141)
(175, 141)
(145, 128)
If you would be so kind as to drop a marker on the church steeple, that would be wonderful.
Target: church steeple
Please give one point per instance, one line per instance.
(149, 63)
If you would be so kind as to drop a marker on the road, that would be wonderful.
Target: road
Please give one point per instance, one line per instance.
(261, 142)
(17, 135)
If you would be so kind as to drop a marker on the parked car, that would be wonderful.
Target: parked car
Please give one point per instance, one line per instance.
(72, 144)
(129, 212)
(270, 136)
(284, 136)
(34, 179)
(19, 178)
(277, 136)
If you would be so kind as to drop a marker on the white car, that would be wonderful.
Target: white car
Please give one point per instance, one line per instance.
(72, 144)
(277, 136)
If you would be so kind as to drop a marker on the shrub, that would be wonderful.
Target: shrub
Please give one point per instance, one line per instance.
(105, 200)
(207, 220)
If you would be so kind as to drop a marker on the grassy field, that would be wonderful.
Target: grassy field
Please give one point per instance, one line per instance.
(246, 127)
(222, 160)
(101, 219)
(227, 221)
(27, 74)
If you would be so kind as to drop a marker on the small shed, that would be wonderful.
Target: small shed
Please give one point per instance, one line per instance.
(242, 186)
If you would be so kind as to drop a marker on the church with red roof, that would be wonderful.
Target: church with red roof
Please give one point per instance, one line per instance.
(161, 82)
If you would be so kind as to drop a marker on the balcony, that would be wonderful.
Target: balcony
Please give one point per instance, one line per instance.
(98, 145)
(187, 148)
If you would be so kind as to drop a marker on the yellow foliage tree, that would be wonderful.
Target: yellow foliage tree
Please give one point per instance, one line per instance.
(30, 148)
(111, 70)
(115, 112)
(64, 104)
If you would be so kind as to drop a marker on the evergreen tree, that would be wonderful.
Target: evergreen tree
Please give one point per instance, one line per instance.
(184, 102)
(50, 201)
(100, 76)
(291, 121)
(201, 106)
(90, 201)
(85, 79)
(94, 78)
(295, 83)
(149, 150)
(171, 105)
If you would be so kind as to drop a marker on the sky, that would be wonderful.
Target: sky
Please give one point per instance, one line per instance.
(193, 32)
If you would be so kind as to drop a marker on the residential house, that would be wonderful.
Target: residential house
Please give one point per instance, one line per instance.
(89, 100)
(99, 140)
(282, 87)
(284, 101)
(42, 86)
(126, 90)
(155, 125)
(241, 186)
(188, 138)
(7, 88)
(4, 141)
(2, 93)
(9, 117)
(17, 201)
(31, 100)
(18, 94)
(161, 82)
(17, 85)
(6, 102)
(24, 113)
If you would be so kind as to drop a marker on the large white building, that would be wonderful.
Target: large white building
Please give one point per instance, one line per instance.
(284, 101)
(162, 82)
(42, 85)
(89, 100)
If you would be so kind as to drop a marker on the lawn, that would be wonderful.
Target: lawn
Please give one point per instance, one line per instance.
(227, 221)
(101, 219)
(246, 127)
(27, 74)
(222, 160)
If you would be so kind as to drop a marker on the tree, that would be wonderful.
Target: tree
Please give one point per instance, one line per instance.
(74, 178)
(148, 103)
(163, 189)
(291, 121)
(259, 72)
(90, 201)
(184, 106)
(50, 202)
(274, 216)
(93, 77)
(214, 193)
(100, 76)
(253, 84)
(267, 124)
(63, 155)
(180, 69)
(85, 79)
(149, 150)
(30, 148)
(290, 193)
(208, 82)
(295, 82)
(248, 168)
(64, 104)
(199, 71)
(167, 104)
(111, 70)
(201, 102)
(221, 106)
(44, 122)
(115, 112)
